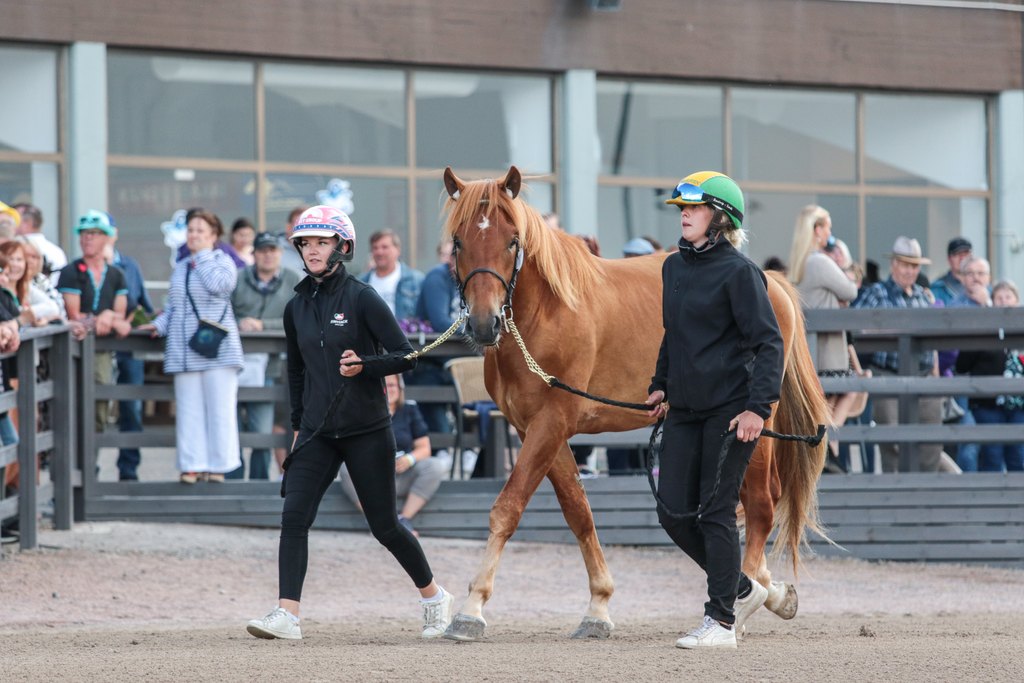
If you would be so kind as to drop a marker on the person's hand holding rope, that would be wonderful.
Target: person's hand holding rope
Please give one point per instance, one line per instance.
(657, 399)
(350, 365)
(748, 425)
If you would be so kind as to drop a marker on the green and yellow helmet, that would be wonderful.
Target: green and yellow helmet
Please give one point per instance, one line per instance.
(711, 187)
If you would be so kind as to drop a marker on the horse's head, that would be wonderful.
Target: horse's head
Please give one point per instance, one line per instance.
(487, 248)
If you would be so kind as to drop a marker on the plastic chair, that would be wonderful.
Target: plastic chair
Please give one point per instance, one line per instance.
(468, 377)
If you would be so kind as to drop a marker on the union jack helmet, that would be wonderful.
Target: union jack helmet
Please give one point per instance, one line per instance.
(326, 221)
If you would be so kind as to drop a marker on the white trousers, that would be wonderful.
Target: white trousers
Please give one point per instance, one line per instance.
(207, 423)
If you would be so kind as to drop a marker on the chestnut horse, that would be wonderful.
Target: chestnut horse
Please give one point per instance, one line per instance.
(596, 324)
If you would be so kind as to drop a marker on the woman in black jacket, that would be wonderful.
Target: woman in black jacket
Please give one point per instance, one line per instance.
(342, 341)
(718, 372)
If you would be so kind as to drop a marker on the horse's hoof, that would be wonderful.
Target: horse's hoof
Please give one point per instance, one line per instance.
(592, 627)
(465, 628)
(782, 600)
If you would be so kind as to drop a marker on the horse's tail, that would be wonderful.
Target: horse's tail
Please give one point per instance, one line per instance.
(802, 407)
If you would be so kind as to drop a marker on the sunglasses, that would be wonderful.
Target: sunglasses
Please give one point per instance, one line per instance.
(691, 194)
(94, 222)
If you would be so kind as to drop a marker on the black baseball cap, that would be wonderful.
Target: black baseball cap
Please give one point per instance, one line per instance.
(266, 239)
(958, 244)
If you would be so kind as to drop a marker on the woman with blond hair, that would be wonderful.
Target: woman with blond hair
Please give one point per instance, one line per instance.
(823, 285)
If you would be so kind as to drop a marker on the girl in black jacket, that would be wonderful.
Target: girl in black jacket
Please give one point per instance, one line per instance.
(718, 372)
(342, 341)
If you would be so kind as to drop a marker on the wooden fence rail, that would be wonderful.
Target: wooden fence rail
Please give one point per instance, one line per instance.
(877, 515)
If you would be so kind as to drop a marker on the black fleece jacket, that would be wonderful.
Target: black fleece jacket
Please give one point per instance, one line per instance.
(321, 321)
(722, 343)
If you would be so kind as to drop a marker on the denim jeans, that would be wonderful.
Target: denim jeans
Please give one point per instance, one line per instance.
(967, 453)
(255, 416)
(8, 432)
(997, 457)
(129, 371)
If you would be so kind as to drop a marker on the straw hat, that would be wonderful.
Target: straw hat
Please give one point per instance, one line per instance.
(908, 250)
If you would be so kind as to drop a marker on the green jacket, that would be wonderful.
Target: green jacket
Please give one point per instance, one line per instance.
(249, 301)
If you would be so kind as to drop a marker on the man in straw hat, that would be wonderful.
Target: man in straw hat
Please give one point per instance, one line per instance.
(902, 291)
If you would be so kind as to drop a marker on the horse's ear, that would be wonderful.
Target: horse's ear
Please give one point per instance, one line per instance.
(513, 182)
(452, 183)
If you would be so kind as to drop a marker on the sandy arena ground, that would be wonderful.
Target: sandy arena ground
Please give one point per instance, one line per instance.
(128, 601)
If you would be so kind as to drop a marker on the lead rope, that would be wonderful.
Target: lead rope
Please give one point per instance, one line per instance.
(552, 381)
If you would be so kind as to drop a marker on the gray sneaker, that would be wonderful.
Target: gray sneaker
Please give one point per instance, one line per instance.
(710, 633)
(277, 624)
(437, 615)
(747, 606)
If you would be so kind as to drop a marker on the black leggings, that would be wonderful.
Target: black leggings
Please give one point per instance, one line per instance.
(371, 463)
(692, 443)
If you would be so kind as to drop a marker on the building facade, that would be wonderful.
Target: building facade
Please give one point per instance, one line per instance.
(899, 118)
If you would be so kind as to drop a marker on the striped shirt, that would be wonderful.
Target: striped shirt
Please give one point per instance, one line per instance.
(211, 282)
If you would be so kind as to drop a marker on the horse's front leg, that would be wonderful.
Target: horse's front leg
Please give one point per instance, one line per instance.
(532, 465)
(572, 498)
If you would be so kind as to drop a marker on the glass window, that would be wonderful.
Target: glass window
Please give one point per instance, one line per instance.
(658, 130)
(28, 119)
(794, 136)
(142, 200)
(181, 107)
(628, 212)
(34, 183)
(483, 121)
(375, 203)
(771, 217)
(933, 222)
(321, 114)
(925, 141)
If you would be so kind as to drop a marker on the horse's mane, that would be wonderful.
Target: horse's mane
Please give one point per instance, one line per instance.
(563, 260)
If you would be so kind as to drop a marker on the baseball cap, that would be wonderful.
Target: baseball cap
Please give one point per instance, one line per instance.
(266, 239)
(12, 212)
(957, 245)
(96, 220)
(637, 246)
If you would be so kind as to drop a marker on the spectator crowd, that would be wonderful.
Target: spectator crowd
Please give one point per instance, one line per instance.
(239, 281)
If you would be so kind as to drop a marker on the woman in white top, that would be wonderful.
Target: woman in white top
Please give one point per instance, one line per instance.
(823, 284)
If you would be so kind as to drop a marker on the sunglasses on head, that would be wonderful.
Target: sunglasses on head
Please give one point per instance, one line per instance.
(93, 222)
(694, 195)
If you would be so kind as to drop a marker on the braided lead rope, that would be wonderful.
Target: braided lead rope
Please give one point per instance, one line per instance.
(510, 325)
(441, 339)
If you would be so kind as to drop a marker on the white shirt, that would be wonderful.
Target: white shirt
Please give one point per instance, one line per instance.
(53, 254)
(387, 286)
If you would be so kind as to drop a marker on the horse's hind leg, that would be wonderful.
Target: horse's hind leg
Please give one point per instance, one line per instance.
(532, 464)
(572, 498)
(760, 493)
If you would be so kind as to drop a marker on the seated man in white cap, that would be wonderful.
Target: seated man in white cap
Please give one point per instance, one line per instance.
(637, 246)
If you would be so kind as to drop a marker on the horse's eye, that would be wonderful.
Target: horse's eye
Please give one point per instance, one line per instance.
(456, 244)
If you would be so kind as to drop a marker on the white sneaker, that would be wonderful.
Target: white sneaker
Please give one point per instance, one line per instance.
(709, 634)
(747, 606)
(277, 624)
(437, 615)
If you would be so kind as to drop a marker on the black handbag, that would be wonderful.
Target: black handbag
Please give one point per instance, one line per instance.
(208, 336)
